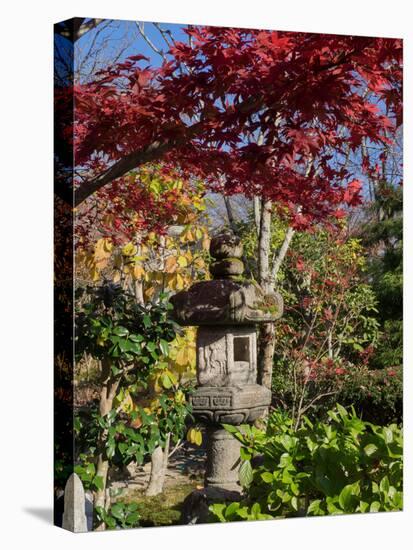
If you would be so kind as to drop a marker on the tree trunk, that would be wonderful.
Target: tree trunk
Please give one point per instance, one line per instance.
(281, 254)
(257, 214)
(159, 464)
(230, 213)
(107, 395)
(266, 354)
(100, 495)
(266, 338)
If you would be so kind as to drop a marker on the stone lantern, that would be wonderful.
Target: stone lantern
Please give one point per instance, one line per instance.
(227, 311)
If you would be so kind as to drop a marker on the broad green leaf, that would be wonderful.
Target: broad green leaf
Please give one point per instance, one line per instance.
(375, 506)
(245, 474)
(267, 477)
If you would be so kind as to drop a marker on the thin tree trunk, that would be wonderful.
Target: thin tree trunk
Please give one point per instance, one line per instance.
(266, 340)
(267, 278)
(230, 213)
(257, 214)
(266, 354)
(102, 470)
(139, 292)
(159, 465)
(107, 395)
(264, 246)
(139, 282)
(281, 254)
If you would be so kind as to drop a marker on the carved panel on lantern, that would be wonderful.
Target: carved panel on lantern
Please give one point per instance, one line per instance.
(226, 356)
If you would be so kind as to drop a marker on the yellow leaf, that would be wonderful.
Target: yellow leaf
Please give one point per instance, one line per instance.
(179, 282)
(107, 245)
(124, 402)
(199, 263)
(180, 397)
(156, 386)
(138, 272)
(198, 437)
(194, 436)
(187, 236)
(116, 277)
(205, 242)
(129, 249)
(189, 435)
(102, 252)
(182, 261)
(170, 264)
(149, 292)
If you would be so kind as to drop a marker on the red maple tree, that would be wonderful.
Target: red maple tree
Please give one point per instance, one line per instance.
(259, 112)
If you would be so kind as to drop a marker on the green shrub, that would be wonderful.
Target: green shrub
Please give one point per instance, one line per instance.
(345, 465)
(377, 395)
(119, 515)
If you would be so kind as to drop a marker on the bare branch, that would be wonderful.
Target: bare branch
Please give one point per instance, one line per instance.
(141, 29)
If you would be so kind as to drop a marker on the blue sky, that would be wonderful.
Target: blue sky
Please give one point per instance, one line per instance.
(119, 31)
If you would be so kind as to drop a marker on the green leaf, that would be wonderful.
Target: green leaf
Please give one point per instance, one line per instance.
(231, 429)
(98, 482)
(110, 451)
(120, 331)
(388, 435)
(231, 509)
(133, 518)
(370, 449)
(150, 346)
(245, 474)
(384, 485)
(375, 506)
(245, 453)
(342, 411)
(314, 508)
(345, 497)
(256, 510)
(363, 506)
(164, 347)
(267, 477)
(166, 381)
(117, 511)
(217, 510)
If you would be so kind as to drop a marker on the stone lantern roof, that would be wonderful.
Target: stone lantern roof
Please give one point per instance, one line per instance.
(228, 299)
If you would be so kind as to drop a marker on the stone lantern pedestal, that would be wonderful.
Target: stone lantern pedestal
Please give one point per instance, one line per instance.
(227, 311)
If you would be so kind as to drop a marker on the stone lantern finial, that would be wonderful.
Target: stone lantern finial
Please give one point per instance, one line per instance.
(226, 249)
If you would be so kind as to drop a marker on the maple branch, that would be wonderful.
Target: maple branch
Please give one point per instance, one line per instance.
(156, 150)
(153, 152)
(121, 167)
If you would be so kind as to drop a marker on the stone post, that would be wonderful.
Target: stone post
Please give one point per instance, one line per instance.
(74, 516)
